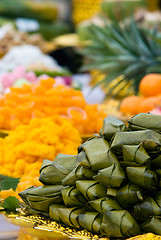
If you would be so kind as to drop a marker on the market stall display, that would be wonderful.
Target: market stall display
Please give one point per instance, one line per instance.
(113, 188)
(71, 169)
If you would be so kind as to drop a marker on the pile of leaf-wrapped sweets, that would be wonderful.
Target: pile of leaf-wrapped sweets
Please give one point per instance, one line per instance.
(112, 187)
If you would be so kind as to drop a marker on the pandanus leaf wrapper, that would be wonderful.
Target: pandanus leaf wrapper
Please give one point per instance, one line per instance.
(152, 225)
(54, 172)
(142, 177)
(72, 197)
(40, 198)
(152, 147)
(69, 216)
(133, 138)
(105, 204)
(158, 198)
(53, 213)
(96, 151)
(111, 125)
(158, 173)
(128, 195)
(135, 154)
(90, 221)
(156, 162)
(112, 176)
(80, 148)
(91, 189)
(119, 223)
(147, 209)
(79, 173)
(145, 121)
(82, 159)
(112, 183)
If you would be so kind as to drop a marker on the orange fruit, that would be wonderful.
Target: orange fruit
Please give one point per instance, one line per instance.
(131, 104)
(150, 85)
(149, 104)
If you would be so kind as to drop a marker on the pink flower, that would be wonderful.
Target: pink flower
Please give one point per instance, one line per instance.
(31, 76)
(6, 80)
(59, 81)
(19, 72)
(9, 78)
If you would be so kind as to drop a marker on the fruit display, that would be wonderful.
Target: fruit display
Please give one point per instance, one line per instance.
(47, 99)
(122, 50)
(23, 150)
(149, 98)
(111, 187)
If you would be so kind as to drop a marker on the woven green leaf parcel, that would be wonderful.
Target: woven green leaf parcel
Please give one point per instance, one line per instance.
(112, 187)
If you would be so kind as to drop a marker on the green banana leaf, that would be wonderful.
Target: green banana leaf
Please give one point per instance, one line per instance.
(40, 198)
(151, 147)
(158, 172)
(111, 158)
(135, 154)
(82, 159)
(91, 189)
(156, 162)
(72, 197)
(90, 221)
(146, 209)
(142, 177)
(145, 121)
(74, 217)
(53, 213)
(80, 147)
(54, 172)
(112, 192)
(96, 151)
(152, 225)
(105, 204)
(133, 138)
(43, 205)
(69, 219)
(79, 173)
(128, 195)
(119, 223)
(112, 176)
(158, 198)
(111, 125)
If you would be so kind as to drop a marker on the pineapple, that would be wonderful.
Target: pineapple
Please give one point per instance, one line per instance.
(122, 51)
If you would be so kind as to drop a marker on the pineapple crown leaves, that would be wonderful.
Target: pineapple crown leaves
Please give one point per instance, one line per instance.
(127, 50)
